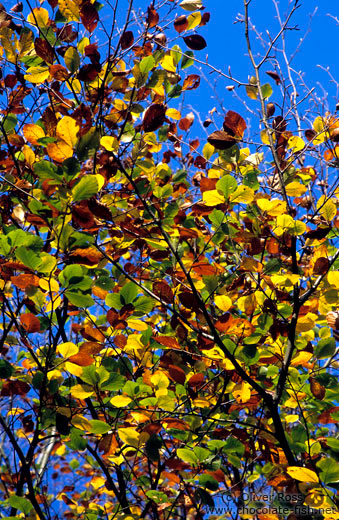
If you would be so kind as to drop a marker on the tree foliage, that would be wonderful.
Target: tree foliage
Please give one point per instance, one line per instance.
(167, 298)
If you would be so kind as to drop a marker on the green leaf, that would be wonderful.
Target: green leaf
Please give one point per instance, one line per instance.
(187, 60)
(85, 189)
(99, 427)
(266, 91)
(46, 170)
(325, 348)
(88, 144)
(187, 455)
(329, 470)
(28, 258)
(9, 122)
(201, 453)
(20, 503)
(153, 446)
(146, 65)
(217, 217)
(6, 369)
(129, 293)
(143, 305)
(79, 299)
(208, 482)
(227, 185)
(157, 496)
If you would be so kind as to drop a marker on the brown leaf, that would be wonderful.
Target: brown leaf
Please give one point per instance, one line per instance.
(195, 42)
(154, 117)
(30, 322)
(317, 389)
(89, 16)
(310, 134)
(126, 40)
(86, 256)
(84, 357)
(167, 341)
(177, 374)
(44, 50)
(186, 122)
(321, 266)
(163, 291)
(58, 72)
(191, 82)
(221, 140)
(89, 72)
(318, 233)
(181, 24)
(152, 17)
(14, 388)
(234, 124)
(196, 380)
(100, 210)
(177, 424)
(205, 19)
(24, 281)
(272, 74)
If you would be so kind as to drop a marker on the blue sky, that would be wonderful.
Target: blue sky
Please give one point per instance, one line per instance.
(226, 47)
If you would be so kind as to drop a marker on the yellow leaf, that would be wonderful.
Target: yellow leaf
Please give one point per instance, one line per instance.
(295, 189)
(292, 418)
(223, 302)
(302, 357)
(194, 20)
(212, 198)
(53, 304)
(333, 278)
(159, 379)
(38, 17)
(285, 280)
(36, 74)
(70, 10)
(67, 349)
(136, 324)
(273, 207)
(67, 129)
(319, 126)
(110, 143)
(168, 64)
(120, 401)
(173, 113)
(302, 474)
(28, 154)
(242, 393)
(100, 180)
(328, 210)
(33, 132)
(80, 392)
(265, 137)
(242, 194)
(59, 151)
(129, 436)
(296, 143)
(80, 422)
(49, 285)
(73, 369)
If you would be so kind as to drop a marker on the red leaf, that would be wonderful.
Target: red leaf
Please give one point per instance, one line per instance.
(196, 380)
(163, 291)
(205, 19)
(126, 40)
(30, 322)
(186, 122)
(154, 117)
(221, 140)
(191, 82)
(195, 42)
(181, 24)
(14, 388)
(152, 17)
(89, 72)
(317, 389)
(167, 341)
(24, 281)
(234, 124)
(44, 50)
(10, 80)
(177, 374)
(272, 74)
(89, 16)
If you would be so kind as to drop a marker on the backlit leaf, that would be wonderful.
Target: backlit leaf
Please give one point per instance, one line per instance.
(302, 474)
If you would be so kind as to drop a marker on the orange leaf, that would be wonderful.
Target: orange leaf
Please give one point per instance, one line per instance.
(59, 151)
(32, 133)
(23, 281)
(30, 322)
(167, 341)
